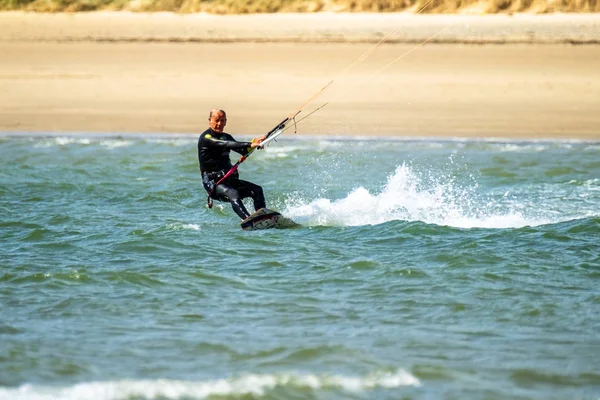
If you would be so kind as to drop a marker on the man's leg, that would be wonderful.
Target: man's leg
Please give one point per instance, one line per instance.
(249, 189)
(224, 191)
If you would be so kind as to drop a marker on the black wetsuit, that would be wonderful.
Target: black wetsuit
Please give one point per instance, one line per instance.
(213, 156)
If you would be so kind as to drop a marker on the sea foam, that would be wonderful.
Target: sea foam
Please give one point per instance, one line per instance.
(249, 384)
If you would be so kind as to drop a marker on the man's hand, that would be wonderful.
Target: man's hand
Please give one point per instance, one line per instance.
(257, 141)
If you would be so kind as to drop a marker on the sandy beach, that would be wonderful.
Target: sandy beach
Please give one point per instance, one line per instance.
(531, 77)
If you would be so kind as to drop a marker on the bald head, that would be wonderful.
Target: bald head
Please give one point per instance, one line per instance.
(217, 119)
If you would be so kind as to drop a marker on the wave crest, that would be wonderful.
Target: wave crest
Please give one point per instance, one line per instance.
(250, 384)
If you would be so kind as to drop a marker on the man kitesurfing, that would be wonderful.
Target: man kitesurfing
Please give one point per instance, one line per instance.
(214, 147)
(221, 179)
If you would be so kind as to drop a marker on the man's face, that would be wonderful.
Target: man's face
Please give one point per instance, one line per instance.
(217, 121)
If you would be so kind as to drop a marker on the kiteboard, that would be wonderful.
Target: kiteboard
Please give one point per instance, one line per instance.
(266, 219)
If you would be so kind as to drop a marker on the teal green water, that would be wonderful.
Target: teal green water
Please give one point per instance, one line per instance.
(422, 269)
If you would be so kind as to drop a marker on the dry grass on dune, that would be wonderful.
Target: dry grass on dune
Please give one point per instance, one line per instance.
(272, 6)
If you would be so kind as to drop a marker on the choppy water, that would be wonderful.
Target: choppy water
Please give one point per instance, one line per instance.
(423, 269)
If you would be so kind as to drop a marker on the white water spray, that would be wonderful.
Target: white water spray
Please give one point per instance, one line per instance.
(408, 196)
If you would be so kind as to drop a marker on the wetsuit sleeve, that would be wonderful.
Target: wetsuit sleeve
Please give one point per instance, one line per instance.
(228, 143)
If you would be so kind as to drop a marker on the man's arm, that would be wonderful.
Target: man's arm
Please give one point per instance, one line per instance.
(229, 143)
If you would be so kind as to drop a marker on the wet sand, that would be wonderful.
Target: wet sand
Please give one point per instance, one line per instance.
(121, 73)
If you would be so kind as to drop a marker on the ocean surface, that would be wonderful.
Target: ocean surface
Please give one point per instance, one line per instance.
(421, 269)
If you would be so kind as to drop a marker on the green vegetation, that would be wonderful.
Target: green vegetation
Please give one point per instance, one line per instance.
(272, 6)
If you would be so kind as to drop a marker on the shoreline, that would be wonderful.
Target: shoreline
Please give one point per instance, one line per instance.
(74, 81)
(301, 137)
